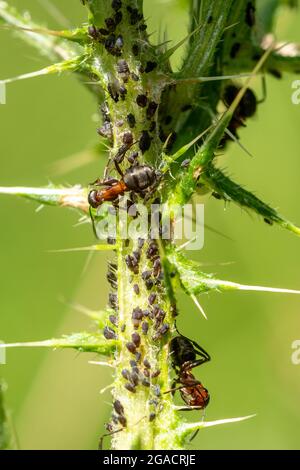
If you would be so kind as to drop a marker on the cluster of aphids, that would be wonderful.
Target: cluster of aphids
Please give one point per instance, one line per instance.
(137, 179)
(107, 36)
(245, 110)
(140, 372)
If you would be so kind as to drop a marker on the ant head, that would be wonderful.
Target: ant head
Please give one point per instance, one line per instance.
(93, 199)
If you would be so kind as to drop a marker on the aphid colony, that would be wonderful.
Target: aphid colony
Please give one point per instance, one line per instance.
(245, 109)
(139, 180)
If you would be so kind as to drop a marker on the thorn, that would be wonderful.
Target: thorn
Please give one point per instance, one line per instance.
(213, 78)
(195, 300)
(173, 49)
(103, 390)
(101, 363)
(85, 248)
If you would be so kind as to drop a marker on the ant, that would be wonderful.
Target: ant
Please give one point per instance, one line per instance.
(137, 178)
(246, 109)
(184, 352)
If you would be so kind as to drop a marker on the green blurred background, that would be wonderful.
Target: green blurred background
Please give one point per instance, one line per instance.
(55, 396)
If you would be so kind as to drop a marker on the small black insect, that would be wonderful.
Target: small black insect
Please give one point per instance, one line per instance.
(113, 300)
(146, 275)
(134, 77)
(137, 313)
(135, 49)
(122, 67)
(110, 24)
(93, 32)
(136, 289)
(145, 141)
(118, 17)
(142, 101)
(113, 320)
(155, 374)
(235, 50)
(149, 284)
(116, 4)
(113, 90)
(246, 109)
(185, 163)
(131, 347)
(127, 138)
(134, 378)
(118, 407)
(105, 130)
(125, 373)
(103, 31)
(250, 14)
(131, 120)
(152, 298)
(130, 387)
(147, 363)
(146, 383)
(136, 339)
(152, 107)
(150, 66)
(163, 330)
(122, 420)
(109, 333)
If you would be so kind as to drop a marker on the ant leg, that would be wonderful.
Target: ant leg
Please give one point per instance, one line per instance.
(105, 182)
(93, 222)
(174, 388)
(264, 90)
(196, 432)
(100, 446)
(194, 435)
(118, 168)
(205, 357)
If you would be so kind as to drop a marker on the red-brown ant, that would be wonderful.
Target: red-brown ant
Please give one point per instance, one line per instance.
(184, 352)
(138, 179)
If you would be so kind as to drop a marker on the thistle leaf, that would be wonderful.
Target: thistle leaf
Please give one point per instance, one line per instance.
(83, 342)
(185, 188)
(194, 281)
(74, 196)
(216, 180)
(72, 65)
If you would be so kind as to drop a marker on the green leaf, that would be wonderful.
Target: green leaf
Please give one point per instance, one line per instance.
(83, 342)
(218, 182)
(76, 64)
(194, 281)
(74, 196)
